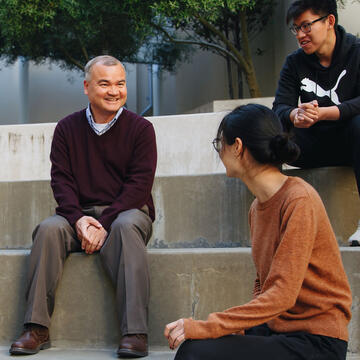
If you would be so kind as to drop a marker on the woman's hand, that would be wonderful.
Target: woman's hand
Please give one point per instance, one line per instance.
(175, 333)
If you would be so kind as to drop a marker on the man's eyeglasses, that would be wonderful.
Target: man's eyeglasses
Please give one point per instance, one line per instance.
(306, 27)
(217, 144)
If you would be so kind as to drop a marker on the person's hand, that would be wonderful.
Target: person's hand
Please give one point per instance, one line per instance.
(306, 115)
(94, 240)
(82, 226)
(175, 333)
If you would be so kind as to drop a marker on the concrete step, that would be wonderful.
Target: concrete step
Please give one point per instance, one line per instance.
(191, 211)
(184, 283)
(76, 354)
(25, 148)
(90, 354)
(95, 354)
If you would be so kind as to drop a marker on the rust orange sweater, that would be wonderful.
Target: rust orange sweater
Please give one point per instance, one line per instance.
(301, 284)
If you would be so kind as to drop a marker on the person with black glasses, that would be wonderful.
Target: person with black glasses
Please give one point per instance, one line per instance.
(318, 94)
(301, 303)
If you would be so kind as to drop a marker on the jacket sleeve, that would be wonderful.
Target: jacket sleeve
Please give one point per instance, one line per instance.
(136, 190)
(280, 289)
(351, 107)
(287, 93)
(63, 183)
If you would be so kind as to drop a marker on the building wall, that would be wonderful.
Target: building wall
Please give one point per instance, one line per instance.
(51, 92)
(9, 94)
(193, 84)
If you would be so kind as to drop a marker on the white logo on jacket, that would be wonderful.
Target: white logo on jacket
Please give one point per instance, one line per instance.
(311, 86)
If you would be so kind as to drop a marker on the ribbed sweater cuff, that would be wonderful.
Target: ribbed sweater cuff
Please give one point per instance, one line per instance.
(188, 327)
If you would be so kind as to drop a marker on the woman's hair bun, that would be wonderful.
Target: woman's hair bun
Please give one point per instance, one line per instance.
(261, 132)
(283, 149)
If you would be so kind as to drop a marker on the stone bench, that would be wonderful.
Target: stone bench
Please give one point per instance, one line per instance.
(191, 211)
(184, 282)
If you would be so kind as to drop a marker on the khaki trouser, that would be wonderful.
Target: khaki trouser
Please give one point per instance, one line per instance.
(123, 256)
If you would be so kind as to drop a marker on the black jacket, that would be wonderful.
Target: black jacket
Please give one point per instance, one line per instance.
(339, 84)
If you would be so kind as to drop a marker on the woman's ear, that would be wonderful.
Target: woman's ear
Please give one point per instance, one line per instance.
(238, 147)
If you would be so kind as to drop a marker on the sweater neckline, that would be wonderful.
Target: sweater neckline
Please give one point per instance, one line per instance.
(276, 196)
(107, 133)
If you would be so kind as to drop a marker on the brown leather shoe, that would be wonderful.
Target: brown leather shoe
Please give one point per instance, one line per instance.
(34, 338)
(133, 346)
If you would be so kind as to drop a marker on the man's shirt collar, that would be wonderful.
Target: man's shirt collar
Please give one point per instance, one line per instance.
(92, 122)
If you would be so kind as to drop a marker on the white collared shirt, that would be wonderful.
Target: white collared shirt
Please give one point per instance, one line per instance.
(100, 129)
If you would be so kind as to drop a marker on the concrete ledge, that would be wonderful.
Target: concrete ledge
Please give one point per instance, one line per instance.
(189, 282)
(100, 354)
(183, 283)
(338, 190)
(163, 353)
(25, 149)
(229, 105)
(192, 211)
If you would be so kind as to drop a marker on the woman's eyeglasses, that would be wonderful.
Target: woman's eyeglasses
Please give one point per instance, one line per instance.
(217, 144)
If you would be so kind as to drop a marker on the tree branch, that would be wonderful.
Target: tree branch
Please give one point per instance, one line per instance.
(72, 60)
(200, 43)
(241, 61)
(86, 55)
(245, 36)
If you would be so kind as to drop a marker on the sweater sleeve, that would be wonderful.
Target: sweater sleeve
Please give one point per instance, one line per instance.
(287, 94)
(63, 183)
(257, 287)
(137, 186)
(282, 285)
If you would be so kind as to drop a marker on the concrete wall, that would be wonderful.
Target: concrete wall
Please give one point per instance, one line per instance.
(25, 149)
(184, 283)
(195, 83)
(228, 105)
(9, 94)
(191, 211)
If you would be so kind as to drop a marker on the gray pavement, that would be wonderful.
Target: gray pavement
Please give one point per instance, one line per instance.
(89, 354)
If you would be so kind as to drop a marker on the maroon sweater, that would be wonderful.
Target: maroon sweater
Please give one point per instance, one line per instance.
(115, 169)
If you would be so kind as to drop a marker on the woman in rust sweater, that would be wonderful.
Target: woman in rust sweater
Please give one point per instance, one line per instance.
(302, 299)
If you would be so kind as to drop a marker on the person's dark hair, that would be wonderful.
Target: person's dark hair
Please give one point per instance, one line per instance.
(319, 7)
(261, 132)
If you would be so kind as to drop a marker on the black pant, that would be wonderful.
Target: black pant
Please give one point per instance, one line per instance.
(261, 343)
(330, 143)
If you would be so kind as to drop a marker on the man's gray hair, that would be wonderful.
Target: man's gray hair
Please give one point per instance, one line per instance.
(106, 60)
